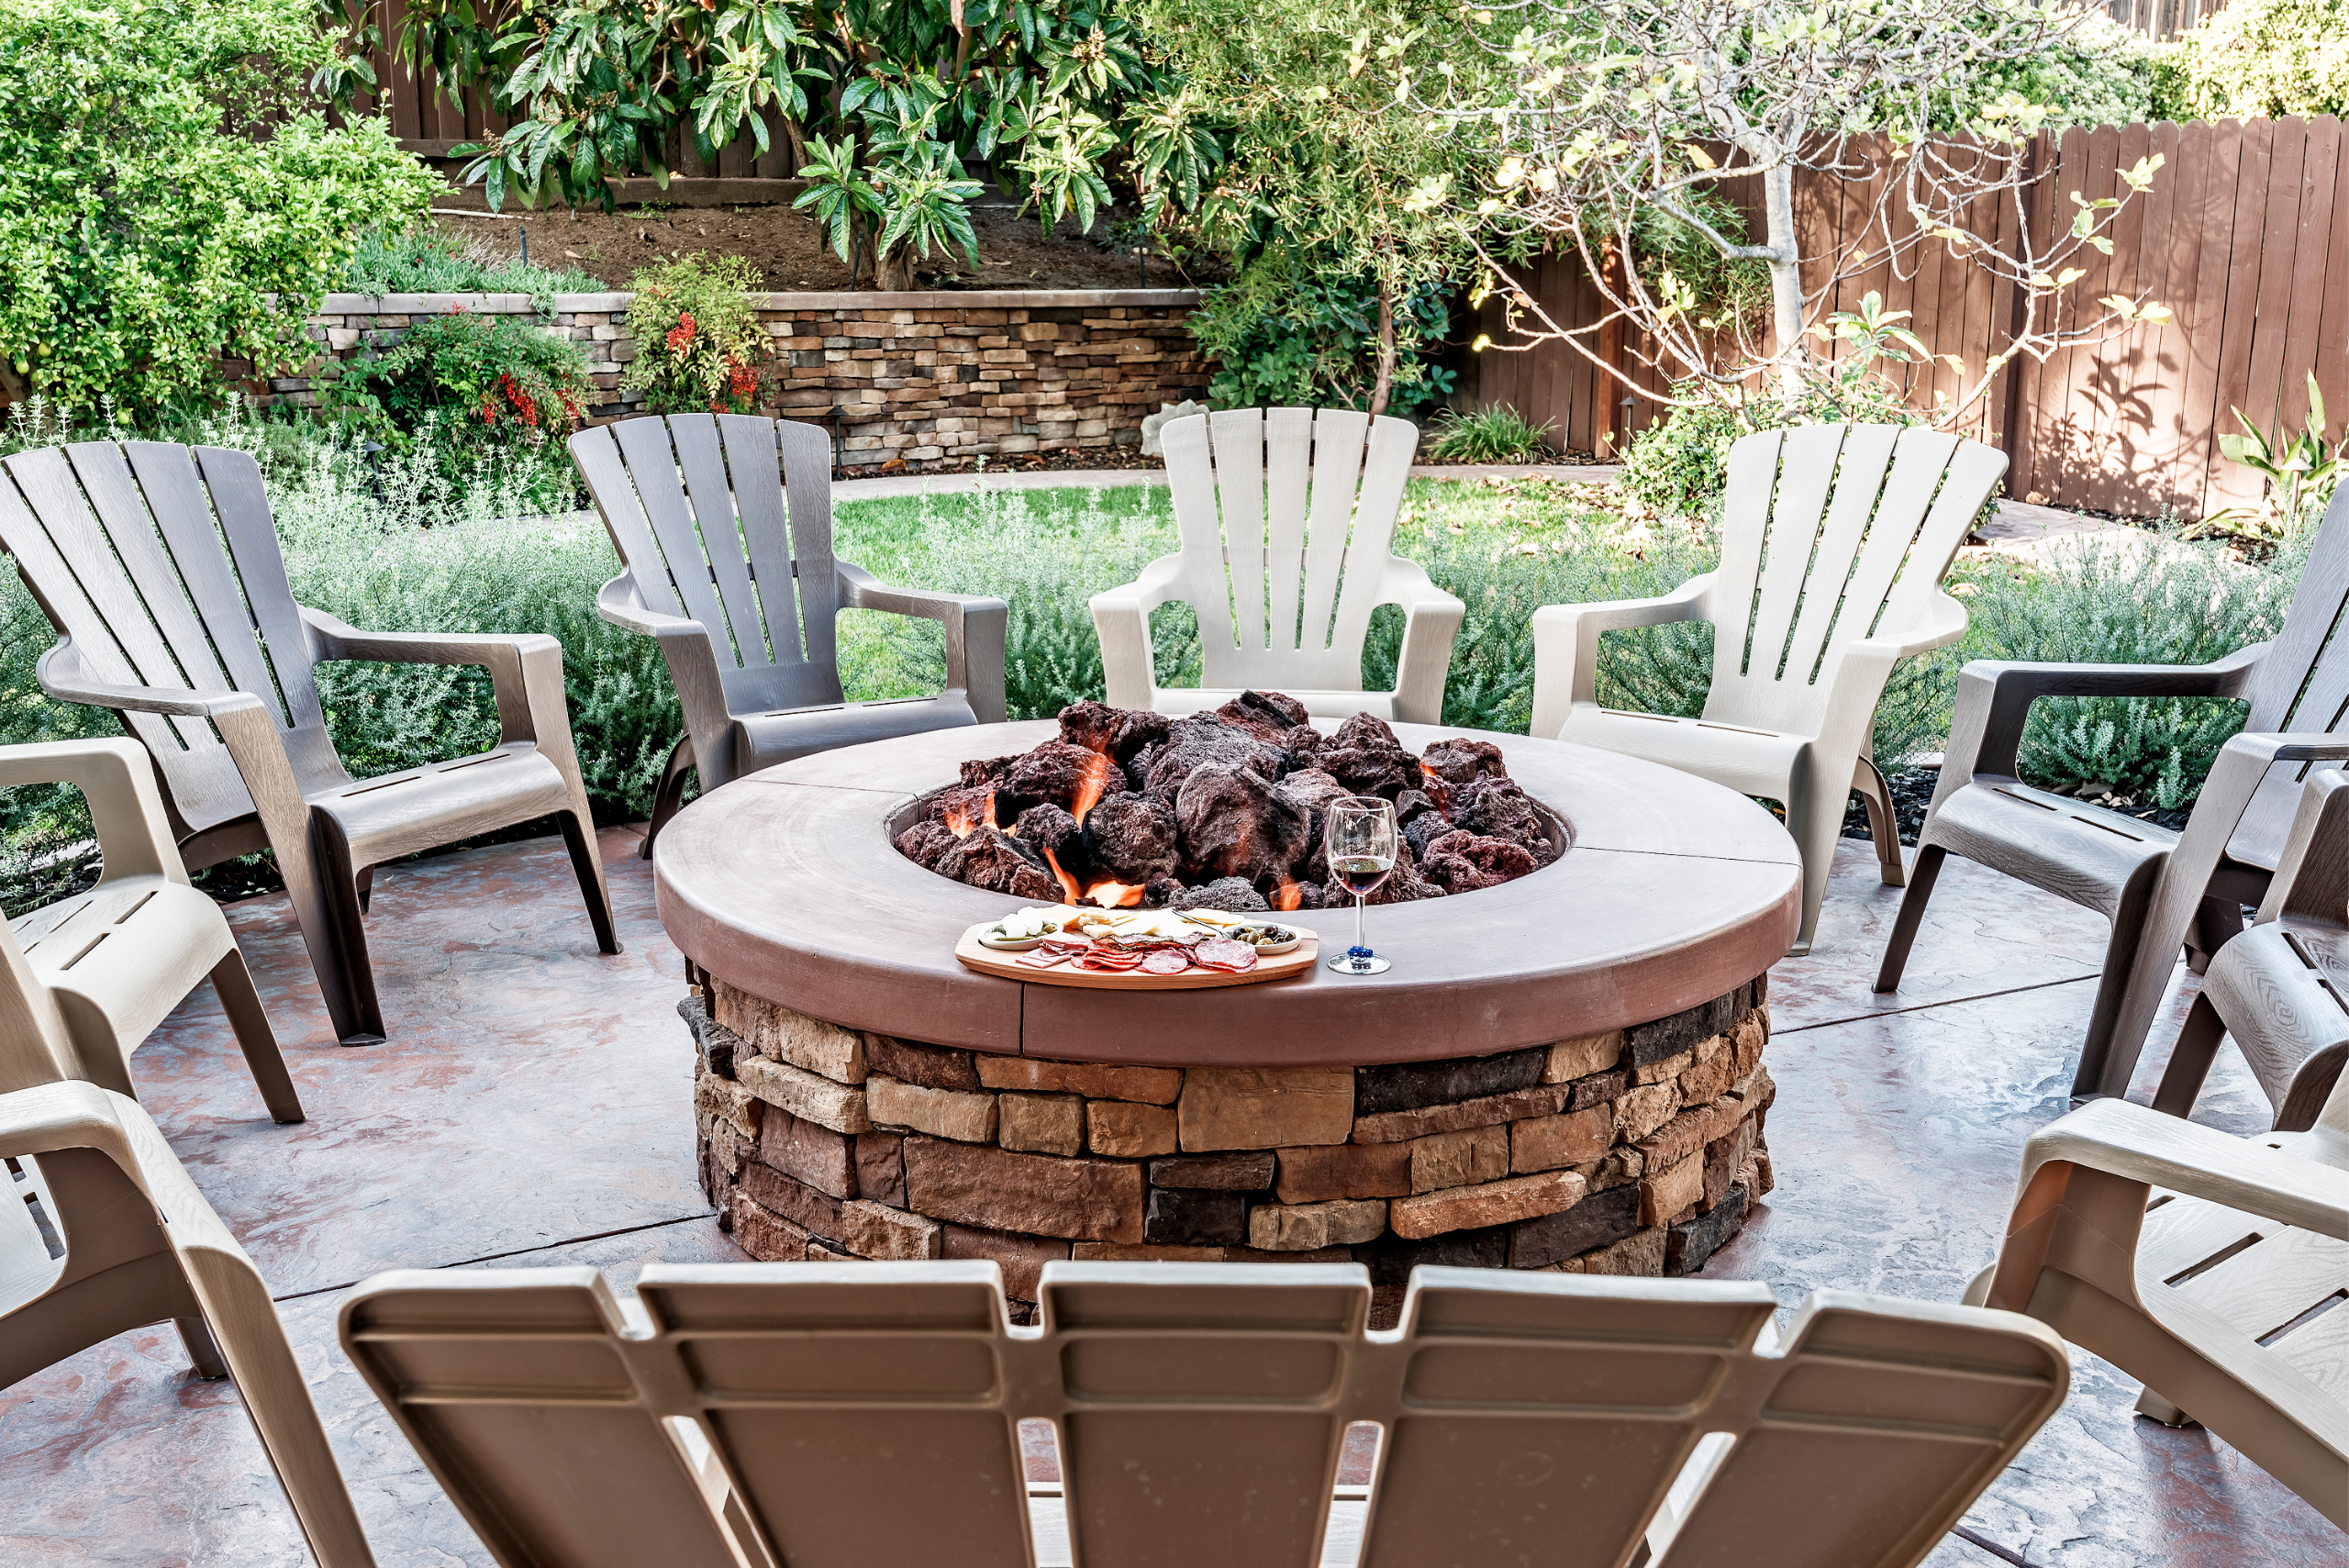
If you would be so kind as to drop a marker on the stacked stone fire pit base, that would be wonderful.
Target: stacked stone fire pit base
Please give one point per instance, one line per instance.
(1638, 1151)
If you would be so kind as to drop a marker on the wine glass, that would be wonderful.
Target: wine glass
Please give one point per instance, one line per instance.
(1360, 846)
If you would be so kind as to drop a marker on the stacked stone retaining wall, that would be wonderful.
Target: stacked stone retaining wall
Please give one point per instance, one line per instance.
(917, 377)
(1637, 1151)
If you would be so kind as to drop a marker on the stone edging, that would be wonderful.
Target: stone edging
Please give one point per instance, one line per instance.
(616, 302)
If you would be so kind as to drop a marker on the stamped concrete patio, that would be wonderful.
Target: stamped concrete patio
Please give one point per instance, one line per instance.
(534, 1107)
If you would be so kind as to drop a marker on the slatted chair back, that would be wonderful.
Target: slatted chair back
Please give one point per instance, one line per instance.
(1286, 516)
(1831, 534)
(161, 564)
(2301, 686)
(727, 521)
(818, 1413)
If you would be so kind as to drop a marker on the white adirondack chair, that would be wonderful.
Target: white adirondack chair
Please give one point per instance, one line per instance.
(1286, 516)
(1833, 546)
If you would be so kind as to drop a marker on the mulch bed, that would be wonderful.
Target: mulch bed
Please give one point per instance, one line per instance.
(1913, 792)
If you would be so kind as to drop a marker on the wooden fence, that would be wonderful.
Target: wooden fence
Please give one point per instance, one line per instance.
(2244, 235)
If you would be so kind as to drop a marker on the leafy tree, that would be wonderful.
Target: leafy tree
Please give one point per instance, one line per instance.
(2264, 57)
(1604, 116)
(880, 101)
(167, 196)
(1324, 165)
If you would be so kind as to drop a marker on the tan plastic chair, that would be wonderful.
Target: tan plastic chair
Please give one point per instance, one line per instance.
(724, 529)
(1286, 516)
(2281, 989)
(2160, 889)
(819, 1414)
(1833, 546)
(101, 1232)
(205, 656)
(2214, 1268)
(98, 971)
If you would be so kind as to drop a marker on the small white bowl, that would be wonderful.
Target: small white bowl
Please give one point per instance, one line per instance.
(988, 939)
(1273, 950)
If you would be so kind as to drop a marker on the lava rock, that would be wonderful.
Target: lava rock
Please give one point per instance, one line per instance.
(1116, 732)
(1234, 823)
(1197, 739)
(1311, 895)
(1048, 827)
(1268, 715)
(1131, 837)
(1496, 809)
(1457, 761)
(1404, 884)
(926, 843)
(1161, 892)
(964, 807)
(1059, 774)
(1364, 756)
(1303, 745)
(1235, 894)
(1310, 788)
(993, 860)
(987, 772)
(1462, 862)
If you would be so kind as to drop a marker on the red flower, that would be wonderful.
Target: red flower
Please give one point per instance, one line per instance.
(682, 333)
(741, 379)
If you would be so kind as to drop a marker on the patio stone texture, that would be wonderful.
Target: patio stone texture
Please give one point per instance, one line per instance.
(916, 376)
(1638, 1151)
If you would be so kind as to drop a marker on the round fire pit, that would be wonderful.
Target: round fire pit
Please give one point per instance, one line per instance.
(1561, 1071)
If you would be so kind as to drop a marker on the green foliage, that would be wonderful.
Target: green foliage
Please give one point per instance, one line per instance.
(166, 199)
(2300, 473)
(1064, 94)
(463, 388)
(698, 341)
(1294, 328)
(2256, 58)
(2095, 72)
(1495, 434)
(1675, 260)
(838, 194)
(426, 261)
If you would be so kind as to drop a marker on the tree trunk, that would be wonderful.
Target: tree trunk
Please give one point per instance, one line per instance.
(895, 270)
(1786, 276)
(1386, 383)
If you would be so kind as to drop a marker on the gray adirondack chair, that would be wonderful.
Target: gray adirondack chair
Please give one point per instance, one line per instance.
(717, 519)
(746, 1416)
(2160, 889)
(2281, 989)
(202, 652)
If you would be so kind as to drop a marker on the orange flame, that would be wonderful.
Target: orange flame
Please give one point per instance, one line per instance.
(1113, 894)
(1068, 883)
(961, 823)
(1287, 896)
(1090, 788)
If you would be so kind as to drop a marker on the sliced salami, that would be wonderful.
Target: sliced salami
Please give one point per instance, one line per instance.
(1165, 961)
(1222, 952)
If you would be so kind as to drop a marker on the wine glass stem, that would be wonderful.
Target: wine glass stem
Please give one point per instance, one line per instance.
(1358, 900)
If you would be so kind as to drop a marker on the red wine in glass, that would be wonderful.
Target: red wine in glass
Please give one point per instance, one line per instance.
(1360, 846)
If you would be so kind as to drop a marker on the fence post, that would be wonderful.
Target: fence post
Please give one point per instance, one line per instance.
(2010, 419)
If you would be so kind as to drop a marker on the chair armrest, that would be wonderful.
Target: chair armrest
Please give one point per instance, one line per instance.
(1121, 622)
(2311, 881)
(2141, 1144)
(117, 778)
(64, 676)
(1430, 625)
(621, 603)
(976, 631)
(1994, 699)
(1565, 645)
(525, 669)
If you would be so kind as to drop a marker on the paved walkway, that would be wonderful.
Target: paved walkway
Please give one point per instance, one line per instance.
(533, 1108)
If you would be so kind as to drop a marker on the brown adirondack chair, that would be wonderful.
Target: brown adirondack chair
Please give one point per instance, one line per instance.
(205, 656)
(2160, 889)
(716, 518)
(746, 1416)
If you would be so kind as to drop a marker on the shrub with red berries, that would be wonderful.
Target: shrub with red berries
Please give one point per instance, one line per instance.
(699, 343)
(486, 382)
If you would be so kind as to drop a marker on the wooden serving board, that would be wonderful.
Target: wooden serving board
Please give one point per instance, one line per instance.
(1298, 959)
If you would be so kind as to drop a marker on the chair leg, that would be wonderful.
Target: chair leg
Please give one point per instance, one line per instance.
(366, 887)
(579, 838)
(2190, 1059)
(350, 990)
(2217, 923)
(1816, 816)
(1884, 824)
(233, 983)
(2105, 1066)
(203, 1351)
(670, 796)
(1905, 925)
